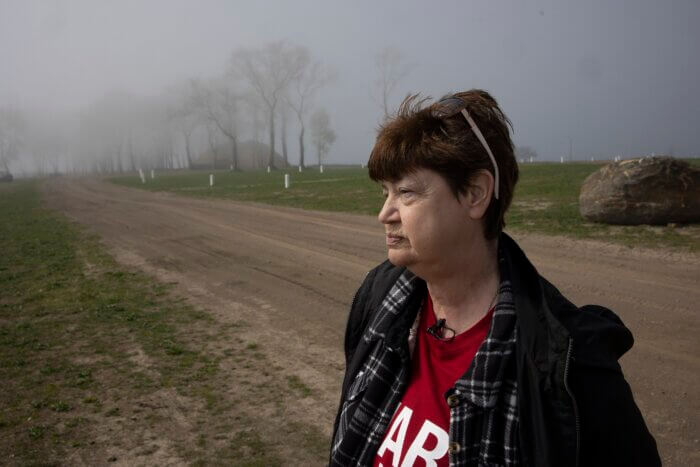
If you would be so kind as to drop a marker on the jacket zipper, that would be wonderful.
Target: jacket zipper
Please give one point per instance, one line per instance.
(573, 400)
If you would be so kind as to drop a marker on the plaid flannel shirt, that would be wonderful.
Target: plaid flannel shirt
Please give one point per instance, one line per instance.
(483, 402)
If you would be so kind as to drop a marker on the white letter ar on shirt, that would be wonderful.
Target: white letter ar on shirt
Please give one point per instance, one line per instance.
(400, 424)
(417, 448)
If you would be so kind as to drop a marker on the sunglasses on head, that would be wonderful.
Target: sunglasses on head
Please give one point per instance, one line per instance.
(451, 106)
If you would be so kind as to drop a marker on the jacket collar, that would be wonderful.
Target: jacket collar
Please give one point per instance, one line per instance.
(540, 334)
(391, 318)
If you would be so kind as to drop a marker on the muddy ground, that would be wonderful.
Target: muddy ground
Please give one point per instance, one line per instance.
(292, 274)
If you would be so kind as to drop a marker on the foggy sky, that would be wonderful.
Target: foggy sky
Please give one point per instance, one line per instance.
(615, 78)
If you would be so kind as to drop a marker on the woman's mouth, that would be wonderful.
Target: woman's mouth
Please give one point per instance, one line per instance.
(393, 240)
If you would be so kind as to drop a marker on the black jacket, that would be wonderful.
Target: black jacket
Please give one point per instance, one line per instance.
(575, 407)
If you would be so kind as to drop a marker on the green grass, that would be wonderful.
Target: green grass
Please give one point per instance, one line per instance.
(344, 190)
(545, 200)
(296, 384)
(70, 319)
(68, 314)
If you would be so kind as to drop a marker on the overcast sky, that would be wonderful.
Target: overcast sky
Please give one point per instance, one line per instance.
(615, 77)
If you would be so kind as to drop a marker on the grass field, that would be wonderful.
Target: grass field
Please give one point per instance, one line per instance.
(545, 201)
(97, 360)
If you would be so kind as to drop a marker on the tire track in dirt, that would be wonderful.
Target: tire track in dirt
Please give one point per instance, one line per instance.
(293, 273)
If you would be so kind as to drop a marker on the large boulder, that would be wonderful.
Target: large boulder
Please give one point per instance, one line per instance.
(651, 190)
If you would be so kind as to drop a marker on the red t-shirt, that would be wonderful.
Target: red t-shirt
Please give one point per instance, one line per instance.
(418, 432)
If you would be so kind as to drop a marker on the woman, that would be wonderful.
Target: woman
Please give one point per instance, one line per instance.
(458, 352)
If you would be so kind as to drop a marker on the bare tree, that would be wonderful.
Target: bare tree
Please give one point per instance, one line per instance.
(187, 125)
(11, 128)
(390, 70)
(269, 71)
(220, 104)
(44, 140)
(303, 89)
(163, 141)
(212, 134)
(283, 111)
(257, 119)
(109, 124)
(132, 155)
(184, 116)
(322, 135)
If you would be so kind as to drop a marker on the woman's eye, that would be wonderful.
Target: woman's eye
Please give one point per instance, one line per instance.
(405, 191)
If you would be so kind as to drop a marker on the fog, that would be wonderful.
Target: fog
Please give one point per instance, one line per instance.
(105, 85)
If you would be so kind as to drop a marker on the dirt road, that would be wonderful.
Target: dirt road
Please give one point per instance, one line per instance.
(292, 274)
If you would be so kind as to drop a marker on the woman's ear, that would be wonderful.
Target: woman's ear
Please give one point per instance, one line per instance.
(477, 195)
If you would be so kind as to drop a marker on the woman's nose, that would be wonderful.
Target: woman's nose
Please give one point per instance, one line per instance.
(389, 213)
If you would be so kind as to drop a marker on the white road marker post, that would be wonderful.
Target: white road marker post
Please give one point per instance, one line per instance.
(211, 179)
(299, 169)
(321, 168)
(561, 159)
(286, 181)
(153, 174)
(143, 178)
(268, 169)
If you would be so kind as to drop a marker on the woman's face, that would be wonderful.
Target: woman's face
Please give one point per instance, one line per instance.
(425, 223)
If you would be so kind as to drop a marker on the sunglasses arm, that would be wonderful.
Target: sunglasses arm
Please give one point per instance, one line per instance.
(483, 142)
